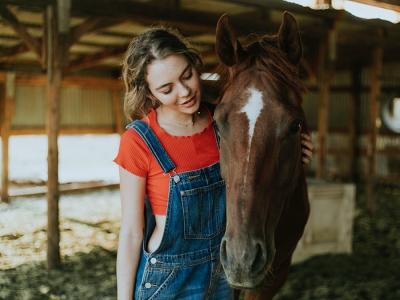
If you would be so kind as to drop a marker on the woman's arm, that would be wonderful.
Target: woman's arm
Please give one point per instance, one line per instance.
(133, 189)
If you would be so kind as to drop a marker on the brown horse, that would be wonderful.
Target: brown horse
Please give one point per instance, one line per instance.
(260, 118)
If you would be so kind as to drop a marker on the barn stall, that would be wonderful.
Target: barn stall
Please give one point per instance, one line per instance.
(60, 64)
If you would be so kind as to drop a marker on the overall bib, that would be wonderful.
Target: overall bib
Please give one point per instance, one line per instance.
(186, 265)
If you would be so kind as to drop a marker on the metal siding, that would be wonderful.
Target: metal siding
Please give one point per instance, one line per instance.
(30, 106)
(86, 107)
(79, 107)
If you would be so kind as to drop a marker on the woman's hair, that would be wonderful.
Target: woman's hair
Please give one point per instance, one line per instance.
(155, 43)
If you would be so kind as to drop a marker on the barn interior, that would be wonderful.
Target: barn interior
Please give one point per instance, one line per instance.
(60, 63)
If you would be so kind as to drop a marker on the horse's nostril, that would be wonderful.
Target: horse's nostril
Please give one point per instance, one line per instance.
(223, 251)
(258, 259)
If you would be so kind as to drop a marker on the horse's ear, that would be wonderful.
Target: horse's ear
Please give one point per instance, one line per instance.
(227, 45)
(289, 39)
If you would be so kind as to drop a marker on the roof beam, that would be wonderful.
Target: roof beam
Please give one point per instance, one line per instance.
(92, 60)
(90, 25)
(386, 4)
(26, 38)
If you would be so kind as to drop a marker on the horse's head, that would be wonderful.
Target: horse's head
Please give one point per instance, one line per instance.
(260, 118)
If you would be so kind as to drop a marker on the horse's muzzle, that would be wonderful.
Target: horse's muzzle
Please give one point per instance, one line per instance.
(245, 262)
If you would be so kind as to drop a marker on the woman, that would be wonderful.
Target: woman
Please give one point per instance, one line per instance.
(169, 163)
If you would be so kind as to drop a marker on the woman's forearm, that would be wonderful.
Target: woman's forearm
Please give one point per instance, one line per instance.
(129, 250)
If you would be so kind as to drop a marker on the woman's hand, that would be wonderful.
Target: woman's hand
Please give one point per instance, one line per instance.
(306, 148)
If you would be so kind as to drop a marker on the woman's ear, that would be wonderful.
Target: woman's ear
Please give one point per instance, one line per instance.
(154, 100)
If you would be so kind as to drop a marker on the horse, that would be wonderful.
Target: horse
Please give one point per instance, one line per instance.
(259, 117)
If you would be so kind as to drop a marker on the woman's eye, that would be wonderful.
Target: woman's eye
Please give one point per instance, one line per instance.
(188, 76)
(295, 127)
(167, 92)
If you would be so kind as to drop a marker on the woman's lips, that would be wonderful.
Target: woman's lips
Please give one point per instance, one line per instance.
(189, 103)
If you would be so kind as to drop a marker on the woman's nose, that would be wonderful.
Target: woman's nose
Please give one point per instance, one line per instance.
(184, 90)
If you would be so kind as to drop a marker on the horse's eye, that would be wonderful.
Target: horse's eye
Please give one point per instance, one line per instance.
(295, 127)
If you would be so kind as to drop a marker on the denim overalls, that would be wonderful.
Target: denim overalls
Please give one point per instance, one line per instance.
(186, 264)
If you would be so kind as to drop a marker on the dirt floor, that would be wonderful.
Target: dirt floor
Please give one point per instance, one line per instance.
(89, 223)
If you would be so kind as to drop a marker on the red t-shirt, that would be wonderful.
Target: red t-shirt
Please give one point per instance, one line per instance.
(187, 152)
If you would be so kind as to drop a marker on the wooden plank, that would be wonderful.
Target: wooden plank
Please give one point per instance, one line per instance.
(64, 188)
(376, 73)
(24, 35)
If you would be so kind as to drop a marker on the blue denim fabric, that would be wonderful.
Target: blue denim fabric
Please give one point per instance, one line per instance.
(186, 264)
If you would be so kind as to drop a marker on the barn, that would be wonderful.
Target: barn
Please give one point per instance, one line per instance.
(60, 63)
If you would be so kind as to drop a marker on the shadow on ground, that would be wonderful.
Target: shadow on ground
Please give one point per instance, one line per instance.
(83, 276)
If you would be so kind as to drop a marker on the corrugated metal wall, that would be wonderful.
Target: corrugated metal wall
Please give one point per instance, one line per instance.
(79, 107)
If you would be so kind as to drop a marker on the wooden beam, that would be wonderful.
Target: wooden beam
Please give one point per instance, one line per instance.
(90, 25)
(7, 54)
(26, 38)
(39, 4)
(376, 73)
(94, 59)
(7, 102)
(386, 4)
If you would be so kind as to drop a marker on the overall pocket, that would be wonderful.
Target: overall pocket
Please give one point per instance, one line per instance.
(204, 211)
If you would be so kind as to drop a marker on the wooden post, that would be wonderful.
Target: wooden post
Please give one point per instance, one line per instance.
(57, 54)
(119, 125)
(7, 100)
(54, 78)
(354, 127)
(326, 74)
(376, 73)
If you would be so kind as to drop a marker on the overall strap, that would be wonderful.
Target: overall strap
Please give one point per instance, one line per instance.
(154, 144)
(216, 133)
(211, 107)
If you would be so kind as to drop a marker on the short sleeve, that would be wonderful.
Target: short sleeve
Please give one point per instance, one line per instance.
(133, 154)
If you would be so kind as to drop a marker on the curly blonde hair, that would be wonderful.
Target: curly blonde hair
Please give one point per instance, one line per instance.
(155, 43)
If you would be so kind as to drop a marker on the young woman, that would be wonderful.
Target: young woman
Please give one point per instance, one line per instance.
(172, 193)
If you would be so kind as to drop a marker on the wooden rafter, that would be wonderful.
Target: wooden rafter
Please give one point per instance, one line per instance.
(27, 39)
(9, 53)
(386, 4)
(91, 25)
(92, 60)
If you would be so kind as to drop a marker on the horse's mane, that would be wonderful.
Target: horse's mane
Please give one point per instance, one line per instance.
(264, 53)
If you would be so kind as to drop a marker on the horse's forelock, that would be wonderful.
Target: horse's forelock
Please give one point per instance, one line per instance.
(274, 61)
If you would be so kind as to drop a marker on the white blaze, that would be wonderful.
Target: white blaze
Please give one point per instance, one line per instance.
(252, 109)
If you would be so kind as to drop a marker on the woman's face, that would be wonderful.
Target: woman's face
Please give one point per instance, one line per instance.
(175, 82)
